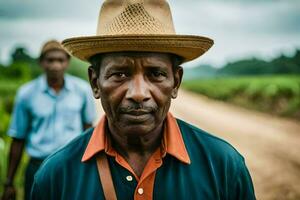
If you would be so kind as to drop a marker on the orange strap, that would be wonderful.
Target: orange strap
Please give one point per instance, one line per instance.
(105, 177)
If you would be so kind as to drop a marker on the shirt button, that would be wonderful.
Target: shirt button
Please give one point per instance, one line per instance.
(141, 191)
(129, 178)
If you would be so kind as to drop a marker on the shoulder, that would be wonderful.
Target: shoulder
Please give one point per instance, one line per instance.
(199, 141)
(78, 83)
(27, 89)
(216, 157)
(60, 162)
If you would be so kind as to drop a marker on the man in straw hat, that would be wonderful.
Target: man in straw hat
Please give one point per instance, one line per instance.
(139, 150)
(49, 111)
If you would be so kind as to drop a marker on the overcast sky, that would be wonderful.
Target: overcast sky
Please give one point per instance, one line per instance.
(240, 28)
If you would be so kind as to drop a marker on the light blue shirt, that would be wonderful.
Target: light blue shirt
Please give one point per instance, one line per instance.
(48, 120)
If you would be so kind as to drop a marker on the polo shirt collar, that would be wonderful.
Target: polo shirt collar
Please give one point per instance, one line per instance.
(45, 87)
(43, 83)
(68, 83)
(172, 143)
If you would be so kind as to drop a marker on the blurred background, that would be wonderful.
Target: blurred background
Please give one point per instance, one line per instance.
(246, 89)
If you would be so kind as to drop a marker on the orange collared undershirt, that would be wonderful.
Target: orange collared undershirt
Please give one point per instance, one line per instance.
(172, 144)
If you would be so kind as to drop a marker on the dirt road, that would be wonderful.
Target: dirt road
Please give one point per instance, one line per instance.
(270, 145)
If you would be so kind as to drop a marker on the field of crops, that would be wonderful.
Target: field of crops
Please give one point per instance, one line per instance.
(278, 95)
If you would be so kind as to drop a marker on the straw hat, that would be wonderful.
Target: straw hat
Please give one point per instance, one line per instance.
(140, 26)
(52, 45)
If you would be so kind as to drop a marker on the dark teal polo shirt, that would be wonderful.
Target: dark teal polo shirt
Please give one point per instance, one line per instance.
(217, 171)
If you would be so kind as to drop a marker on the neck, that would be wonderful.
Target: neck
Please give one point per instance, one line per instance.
(136, 149)
(142, 145)
(55, 82)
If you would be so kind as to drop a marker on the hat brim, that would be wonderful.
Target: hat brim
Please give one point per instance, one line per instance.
(188, 47)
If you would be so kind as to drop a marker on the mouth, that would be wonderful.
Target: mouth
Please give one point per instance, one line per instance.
(137, 116)
(54, 72)
(137, 112)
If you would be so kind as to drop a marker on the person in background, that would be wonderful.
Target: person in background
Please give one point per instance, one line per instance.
(48, 113)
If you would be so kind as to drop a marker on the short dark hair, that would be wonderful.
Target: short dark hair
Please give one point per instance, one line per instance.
(96, 61)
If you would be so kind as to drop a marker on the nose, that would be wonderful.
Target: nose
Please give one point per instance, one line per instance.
(56, 65)
(138, 89)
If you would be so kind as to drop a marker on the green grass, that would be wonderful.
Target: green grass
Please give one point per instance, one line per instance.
(9, 87)
(279, 95)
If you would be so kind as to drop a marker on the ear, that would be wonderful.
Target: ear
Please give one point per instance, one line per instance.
(94, 82)
(178, 73)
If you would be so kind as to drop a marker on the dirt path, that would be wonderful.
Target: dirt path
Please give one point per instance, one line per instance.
(270, 145)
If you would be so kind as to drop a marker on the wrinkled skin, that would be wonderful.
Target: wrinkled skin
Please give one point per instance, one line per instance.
(136, 90)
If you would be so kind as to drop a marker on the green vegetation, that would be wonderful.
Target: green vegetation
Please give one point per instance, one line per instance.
(278, 95)
(268, 86)
(247, 67)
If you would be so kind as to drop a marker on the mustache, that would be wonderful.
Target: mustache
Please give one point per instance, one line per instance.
(137, 107)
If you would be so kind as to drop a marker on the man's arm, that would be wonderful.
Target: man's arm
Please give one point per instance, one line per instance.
(15, 155)
(243, 187)
(20, 122)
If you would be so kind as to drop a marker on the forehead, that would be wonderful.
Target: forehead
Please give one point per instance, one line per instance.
(124, 57)
(55, 53)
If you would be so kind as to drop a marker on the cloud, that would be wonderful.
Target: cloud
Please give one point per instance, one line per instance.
(240, 28)
(45, 9)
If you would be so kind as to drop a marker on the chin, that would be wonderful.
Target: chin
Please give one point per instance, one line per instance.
(137, 129)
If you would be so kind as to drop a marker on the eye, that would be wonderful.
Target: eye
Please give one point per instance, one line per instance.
(119, 76)
(158, 75)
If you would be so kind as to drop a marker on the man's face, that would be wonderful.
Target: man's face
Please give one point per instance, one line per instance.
(54, 63)
(135, 90)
